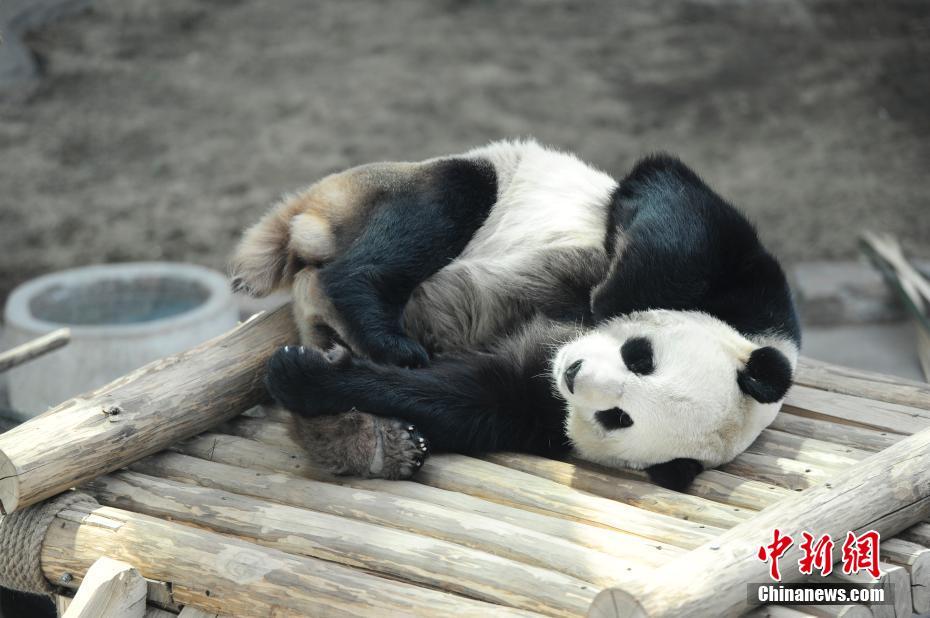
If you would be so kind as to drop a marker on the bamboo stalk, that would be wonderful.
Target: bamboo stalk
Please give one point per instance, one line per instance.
(417, 516)
(139, 414)
(393, 553)
(887, 492)
(247, 453)
(34, 349)
(227, 575)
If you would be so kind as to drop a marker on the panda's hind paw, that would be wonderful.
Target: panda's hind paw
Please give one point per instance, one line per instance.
(404, 450)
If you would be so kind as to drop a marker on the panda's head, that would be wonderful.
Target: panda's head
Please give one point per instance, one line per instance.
(654, 386)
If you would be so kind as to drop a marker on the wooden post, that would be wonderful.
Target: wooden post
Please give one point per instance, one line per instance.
(230, 576)
(138, 414)
(34, 349)
(887, 492)
(110, 589)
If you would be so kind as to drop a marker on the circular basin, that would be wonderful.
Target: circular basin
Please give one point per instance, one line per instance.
(121, 316)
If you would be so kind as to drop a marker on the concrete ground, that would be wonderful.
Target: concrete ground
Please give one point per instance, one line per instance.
(885, 348)
(157, 130)
(139, 130)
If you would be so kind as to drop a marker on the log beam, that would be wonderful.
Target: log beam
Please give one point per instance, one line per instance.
(141, 413)
(887, 492)
(230, 576)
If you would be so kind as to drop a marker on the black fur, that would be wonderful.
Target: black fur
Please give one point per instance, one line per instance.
(688, 249)
(468, 403)
(412, 233)
(637, 356)
(767, 375)
(676, 474)
(615, 418)
(683, 247)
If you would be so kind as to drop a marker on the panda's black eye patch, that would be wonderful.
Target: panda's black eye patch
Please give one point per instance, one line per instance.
(615, 418)
(637, 355)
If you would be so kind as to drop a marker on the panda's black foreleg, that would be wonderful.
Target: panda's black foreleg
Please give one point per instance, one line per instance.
(412, 233)
(479, 402)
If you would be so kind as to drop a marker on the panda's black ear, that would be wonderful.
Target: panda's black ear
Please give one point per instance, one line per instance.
(767, 375)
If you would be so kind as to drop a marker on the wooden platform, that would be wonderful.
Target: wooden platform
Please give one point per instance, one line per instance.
(499, 534)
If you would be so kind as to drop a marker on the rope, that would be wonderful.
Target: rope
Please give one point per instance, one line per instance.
(21, 536)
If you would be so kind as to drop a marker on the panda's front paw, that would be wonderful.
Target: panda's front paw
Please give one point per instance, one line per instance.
(303, 380)
(398, 350)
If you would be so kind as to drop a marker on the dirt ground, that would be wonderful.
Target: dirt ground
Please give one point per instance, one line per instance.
(160, 129)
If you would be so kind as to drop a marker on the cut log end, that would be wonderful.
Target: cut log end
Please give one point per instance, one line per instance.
(616, 603)
(9, 485)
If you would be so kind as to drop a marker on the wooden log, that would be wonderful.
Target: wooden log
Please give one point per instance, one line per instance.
(837, 611)
(231, 576)
(894, 580)
(62, 602)
(918, 534)
(139, 414)
(34, 349)
(887, 492)
(916, 559)
(631, 491)
(838, 408)
(777, 611)
(159, 595)
(111, 589)
(861, 438)
(246, 453)
(390, 552)
(493, 482)
(730, 489)
(848, 381)
(417, 516)
(822, 453)
(192, 612)
(779, 471)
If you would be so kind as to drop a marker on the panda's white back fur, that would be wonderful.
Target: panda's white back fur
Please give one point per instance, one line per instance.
(550, 206)
(546, 200)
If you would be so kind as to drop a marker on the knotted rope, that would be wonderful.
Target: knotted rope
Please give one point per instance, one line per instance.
(21, 536)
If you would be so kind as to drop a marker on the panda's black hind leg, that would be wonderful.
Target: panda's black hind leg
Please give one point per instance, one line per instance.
(413, 232)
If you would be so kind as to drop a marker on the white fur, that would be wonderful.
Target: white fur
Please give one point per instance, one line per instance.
(690, 406)
(545, 200)
(311, 237)
(550, 206)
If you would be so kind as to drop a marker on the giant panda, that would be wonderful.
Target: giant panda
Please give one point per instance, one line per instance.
(515, 298)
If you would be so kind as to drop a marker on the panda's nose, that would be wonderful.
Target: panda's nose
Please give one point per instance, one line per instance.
(570, 372)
